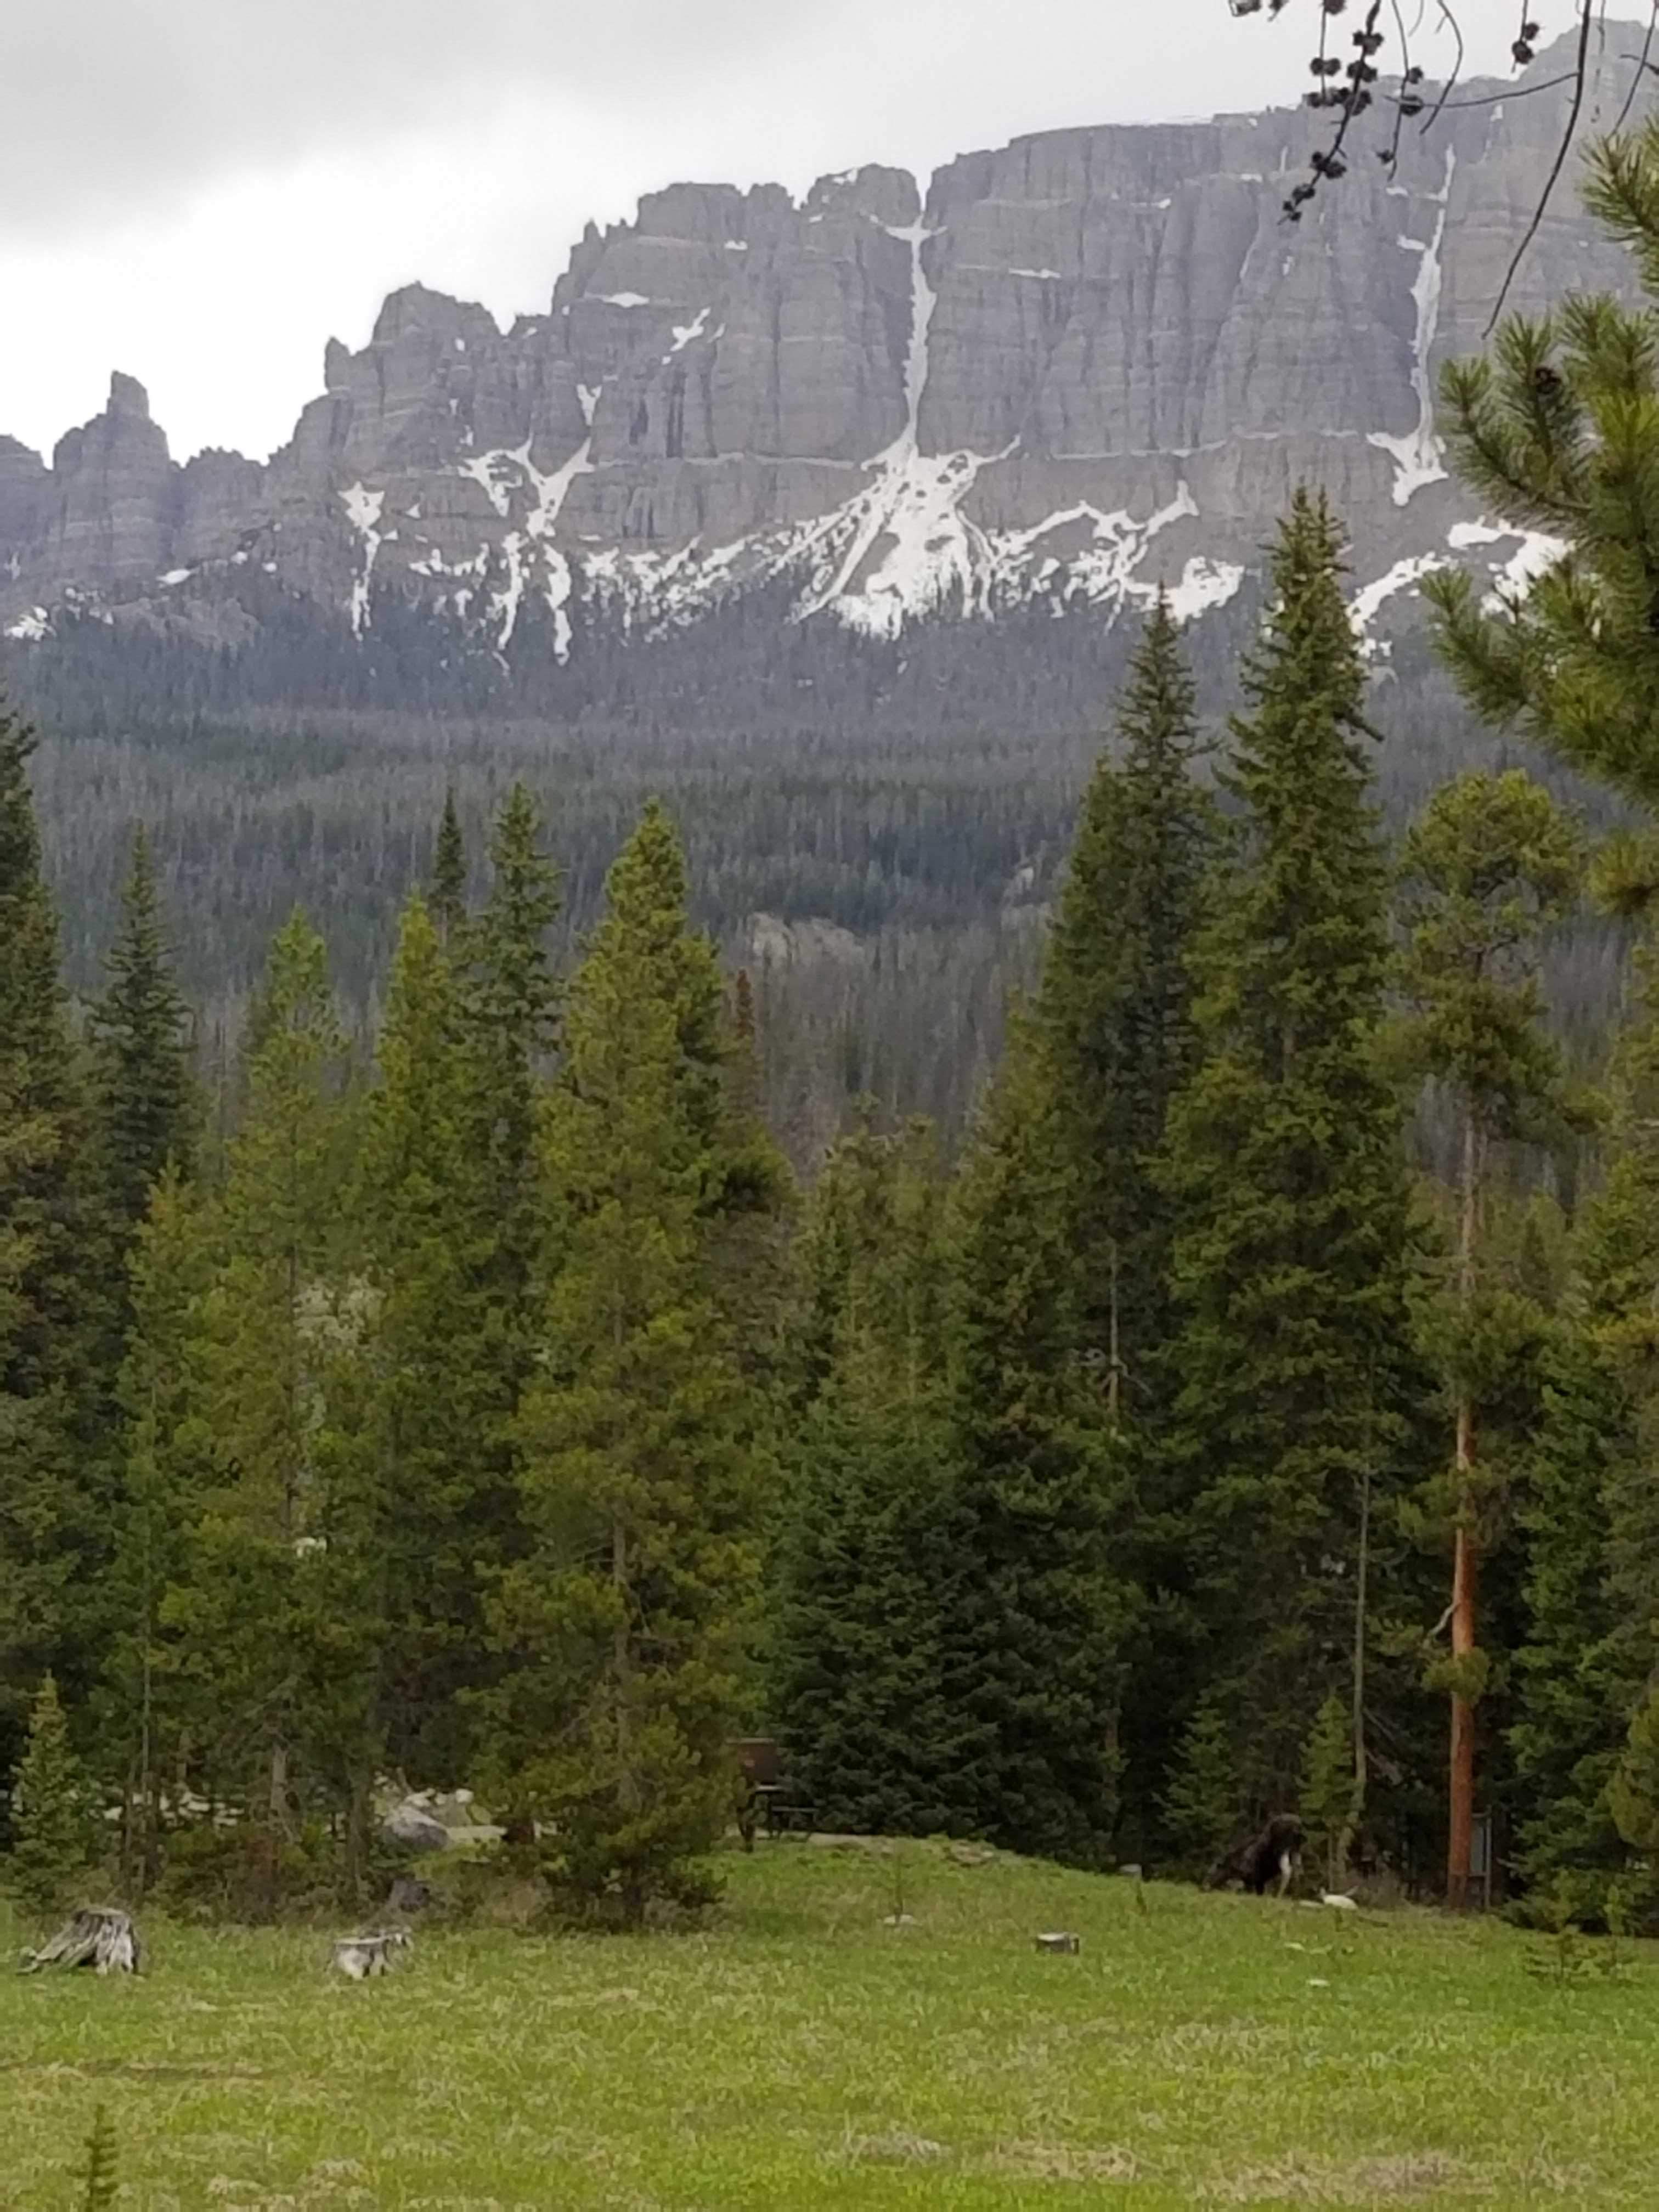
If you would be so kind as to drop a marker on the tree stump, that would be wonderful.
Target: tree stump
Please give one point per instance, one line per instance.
(360, 1957)
(1060, 1940)
(97, 1936)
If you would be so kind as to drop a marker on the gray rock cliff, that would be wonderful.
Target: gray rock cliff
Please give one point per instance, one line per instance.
(1090, 361)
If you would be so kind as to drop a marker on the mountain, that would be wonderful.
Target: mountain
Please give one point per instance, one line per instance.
(1089, 362)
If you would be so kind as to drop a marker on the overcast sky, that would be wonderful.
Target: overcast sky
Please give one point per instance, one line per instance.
(201, 191)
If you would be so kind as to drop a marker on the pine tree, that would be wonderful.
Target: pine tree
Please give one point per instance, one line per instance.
(857, 1695)
(448, 900)
(855, 1678)
(1113, 1021)
(50, 1826)
(508, 1013)
(251, 1612)
(1114, 1011)
(53, 1292)
(146, 1099)
(1490, 864)
(1558, 429)
(1572, 1694)
(1036, 1605)
(625, 1625)
(1202, 1805)
(1283, 1156)
(754, 1205)
(1328, 1784)
(428, 1393)
(168, 1476)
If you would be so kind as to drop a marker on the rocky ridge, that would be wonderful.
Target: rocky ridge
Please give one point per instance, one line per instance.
(1091, 362)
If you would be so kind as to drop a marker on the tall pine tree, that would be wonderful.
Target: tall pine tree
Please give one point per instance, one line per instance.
(1283, 1155)
(1490, 863)
(855, 1675)
(1113, 1020)
(53, 1293)
(258, 1675)
(1035, 1602)
(1114, 1011)
(625, 1624)
(147, 1104)
(428, 1391)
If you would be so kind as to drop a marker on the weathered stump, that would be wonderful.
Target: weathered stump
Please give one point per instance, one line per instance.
(360, 1957)
(98, 1936)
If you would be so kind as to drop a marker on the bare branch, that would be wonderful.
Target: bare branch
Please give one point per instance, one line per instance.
(1581, 72)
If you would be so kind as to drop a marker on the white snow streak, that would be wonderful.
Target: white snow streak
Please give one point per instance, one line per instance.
(1204, 584)
(511, 480)
(1419, 456)
(1363, 607)
(1537, 552)
(363, 508)
(624, 299)
(551, 492)
(684, 333)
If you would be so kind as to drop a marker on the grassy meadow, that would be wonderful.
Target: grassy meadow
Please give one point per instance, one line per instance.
(801, 2051)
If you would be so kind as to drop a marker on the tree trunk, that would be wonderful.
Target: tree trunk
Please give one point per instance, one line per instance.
(1361, 1763)
(1464, 1565)
(628, 1792)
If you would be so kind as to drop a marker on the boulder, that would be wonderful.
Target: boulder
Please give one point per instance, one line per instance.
(411, 1827)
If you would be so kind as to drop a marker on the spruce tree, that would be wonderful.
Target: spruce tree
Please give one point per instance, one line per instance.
(508, 1013)
(1327, 1785)
(277, 1320)
(167, 1477)
(1572, 1694)
(1113, 1021)
(1114, 1011)
(52, 1824)
(1036, 1604)
(448, 900)
(1203, 1802)
(428, 1392)
(1282, 1156)
(624, 1626)
(854, 1670)
(1588, 1503)
(1489, 865)
(54, 1287)
(146, 1099)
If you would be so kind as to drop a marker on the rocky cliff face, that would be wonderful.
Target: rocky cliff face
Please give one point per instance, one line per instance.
(1093, 362)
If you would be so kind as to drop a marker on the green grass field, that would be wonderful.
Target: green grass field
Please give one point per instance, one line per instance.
(801, 2052)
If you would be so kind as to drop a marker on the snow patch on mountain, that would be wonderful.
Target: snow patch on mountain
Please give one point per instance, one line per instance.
(1419, 456)
(1204, 585)
(1367, 603)
(1536, 553)
(363, 510)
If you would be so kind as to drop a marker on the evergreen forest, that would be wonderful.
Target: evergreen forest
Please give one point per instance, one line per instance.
(1158, 1333)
